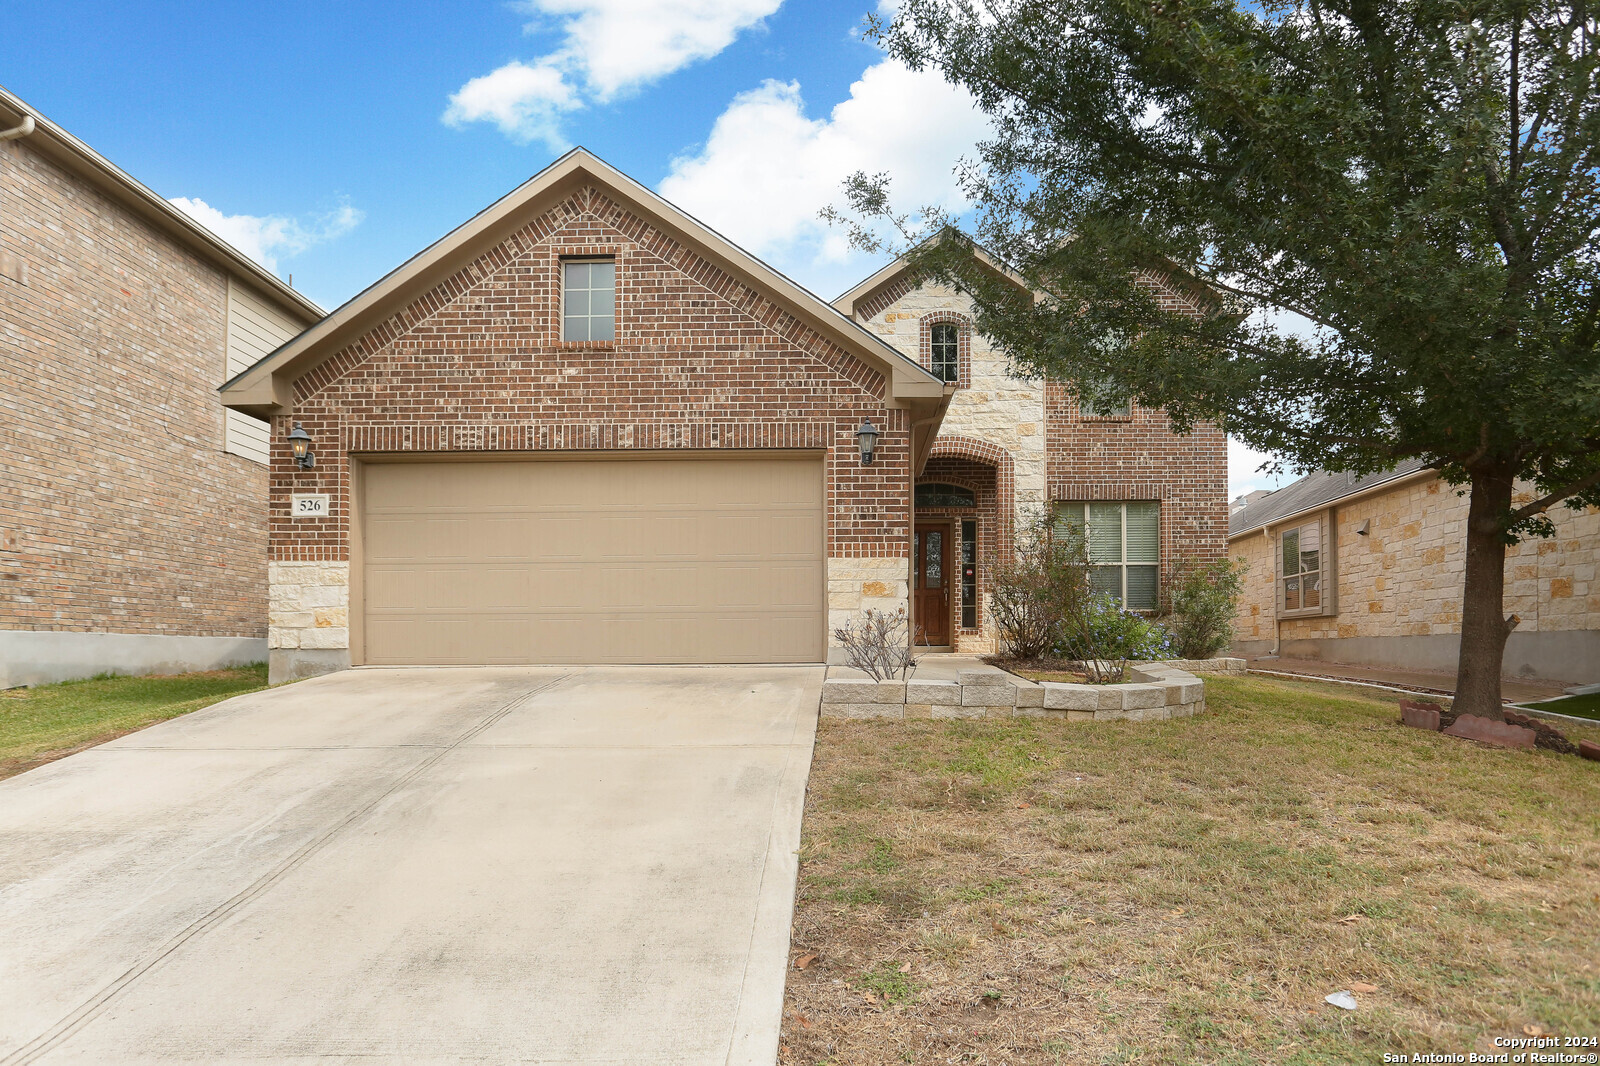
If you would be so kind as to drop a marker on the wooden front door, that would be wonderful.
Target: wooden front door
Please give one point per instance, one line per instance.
(932, 581)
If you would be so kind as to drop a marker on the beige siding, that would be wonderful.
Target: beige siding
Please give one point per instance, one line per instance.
(255, 330)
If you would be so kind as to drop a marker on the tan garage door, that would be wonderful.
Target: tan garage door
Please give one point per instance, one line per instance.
(593, 561)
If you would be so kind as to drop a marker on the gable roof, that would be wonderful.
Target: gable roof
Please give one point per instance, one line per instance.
(266, 388)
(72, 155)
(1316, 490)
(848, 302)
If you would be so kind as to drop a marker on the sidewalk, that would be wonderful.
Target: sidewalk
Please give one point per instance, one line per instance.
(1513, 690)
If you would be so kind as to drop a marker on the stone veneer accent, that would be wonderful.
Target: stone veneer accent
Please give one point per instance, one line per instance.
(308, 619)
(859, 585)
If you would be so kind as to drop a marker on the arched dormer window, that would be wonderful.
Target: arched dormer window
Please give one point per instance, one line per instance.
(942, 494)
(944, 350)
(946, 347)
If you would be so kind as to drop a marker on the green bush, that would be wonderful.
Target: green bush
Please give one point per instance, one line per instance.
(1205, 599)
(1104, 632)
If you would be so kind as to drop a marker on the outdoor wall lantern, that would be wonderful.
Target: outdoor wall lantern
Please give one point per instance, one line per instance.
(867, 438)
(300, 445)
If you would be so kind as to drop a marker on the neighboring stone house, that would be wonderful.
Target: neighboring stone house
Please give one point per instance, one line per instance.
(1010, 447)
(132, 504)
(1369, 571)
(584, 428)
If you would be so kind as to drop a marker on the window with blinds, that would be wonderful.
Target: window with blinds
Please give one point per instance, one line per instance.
(1305, 569)
(1124, 543)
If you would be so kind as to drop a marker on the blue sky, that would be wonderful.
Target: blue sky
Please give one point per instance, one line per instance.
(333, 141)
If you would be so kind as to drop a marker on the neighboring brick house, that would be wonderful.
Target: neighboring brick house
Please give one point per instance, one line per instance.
(132, 505)
(1009, 448)
(584, 428)
(1369, 571)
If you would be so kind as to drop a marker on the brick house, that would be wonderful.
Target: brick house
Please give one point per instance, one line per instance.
(1369, 571)
(1009, 447)
(582, 427)
(132, 504)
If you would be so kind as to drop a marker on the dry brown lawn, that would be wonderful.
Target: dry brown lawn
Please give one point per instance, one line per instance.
(1034, 891)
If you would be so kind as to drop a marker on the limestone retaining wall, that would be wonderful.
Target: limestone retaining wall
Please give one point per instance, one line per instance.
(1158, 691)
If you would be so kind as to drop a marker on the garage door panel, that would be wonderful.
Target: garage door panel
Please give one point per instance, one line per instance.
(594, 561)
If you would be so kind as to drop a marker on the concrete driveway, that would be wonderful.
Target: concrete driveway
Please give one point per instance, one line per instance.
(580, 865)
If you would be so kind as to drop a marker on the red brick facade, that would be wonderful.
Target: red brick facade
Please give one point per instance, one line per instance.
(1139, 457)
(119, 510)
(702, 360)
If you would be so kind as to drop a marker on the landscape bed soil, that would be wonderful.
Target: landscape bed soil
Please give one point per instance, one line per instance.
(1041, 669)
(1030, 891)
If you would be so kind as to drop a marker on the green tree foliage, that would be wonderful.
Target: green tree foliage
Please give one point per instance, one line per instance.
(1416, 181)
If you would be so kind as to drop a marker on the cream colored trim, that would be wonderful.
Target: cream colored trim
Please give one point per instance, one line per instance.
(1338, 501)
(249, 390)
(65, 150)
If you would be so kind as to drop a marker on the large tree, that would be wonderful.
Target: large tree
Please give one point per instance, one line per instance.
(1412, 184)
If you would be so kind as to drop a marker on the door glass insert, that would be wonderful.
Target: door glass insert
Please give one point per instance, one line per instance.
(933, 560)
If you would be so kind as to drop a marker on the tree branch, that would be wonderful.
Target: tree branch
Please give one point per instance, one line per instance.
(1544, 503)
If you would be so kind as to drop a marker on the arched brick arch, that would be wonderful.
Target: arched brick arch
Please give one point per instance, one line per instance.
(982, 451)
(963, 343)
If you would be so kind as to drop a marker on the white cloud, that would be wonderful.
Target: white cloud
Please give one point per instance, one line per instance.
(609, 48)
(525, 102)
(767, 169)
(1245, 475)
(266, 237)
(618, 45)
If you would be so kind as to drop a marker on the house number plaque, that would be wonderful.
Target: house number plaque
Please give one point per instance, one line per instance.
(308, 505)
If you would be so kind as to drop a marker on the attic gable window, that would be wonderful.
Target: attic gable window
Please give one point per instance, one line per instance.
(589, 299)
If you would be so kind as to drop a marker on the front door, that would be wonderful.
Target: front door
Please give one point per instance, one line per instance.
(932, 580)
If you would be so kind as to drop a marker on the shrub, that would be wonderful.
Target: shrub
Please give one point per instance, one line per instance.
(1204, 602)
(1105, 633)
(878, 644)
(1045, 580)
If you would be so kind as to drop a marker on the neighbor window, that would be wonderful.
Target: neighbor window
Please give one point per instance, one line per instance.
(588, 299)
(1304, 565)
(944, 342)
(1124, 542)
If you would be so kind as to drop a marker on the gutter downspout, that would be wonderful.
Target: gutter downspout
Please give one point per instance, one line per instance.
(16, 132)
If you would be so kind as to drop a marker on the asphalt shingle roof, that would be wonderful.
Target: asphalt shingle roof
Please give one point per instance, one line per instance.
(1316, 489)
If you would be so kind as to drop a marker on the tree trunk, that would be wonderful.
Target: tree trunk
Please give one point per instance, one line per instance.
(1484, 627)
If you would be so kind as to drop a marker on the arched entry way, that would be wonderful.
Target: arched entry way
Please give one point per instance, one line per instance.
(964, 505)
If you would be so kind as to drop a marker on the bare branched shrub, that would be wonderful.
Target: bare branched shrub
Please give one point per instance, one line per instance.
(1045, 581)
(878, 644)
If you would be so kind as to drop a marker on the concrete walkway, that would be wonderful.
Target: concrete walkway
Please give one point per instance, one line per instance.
(589, 865)
(1513, 690)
